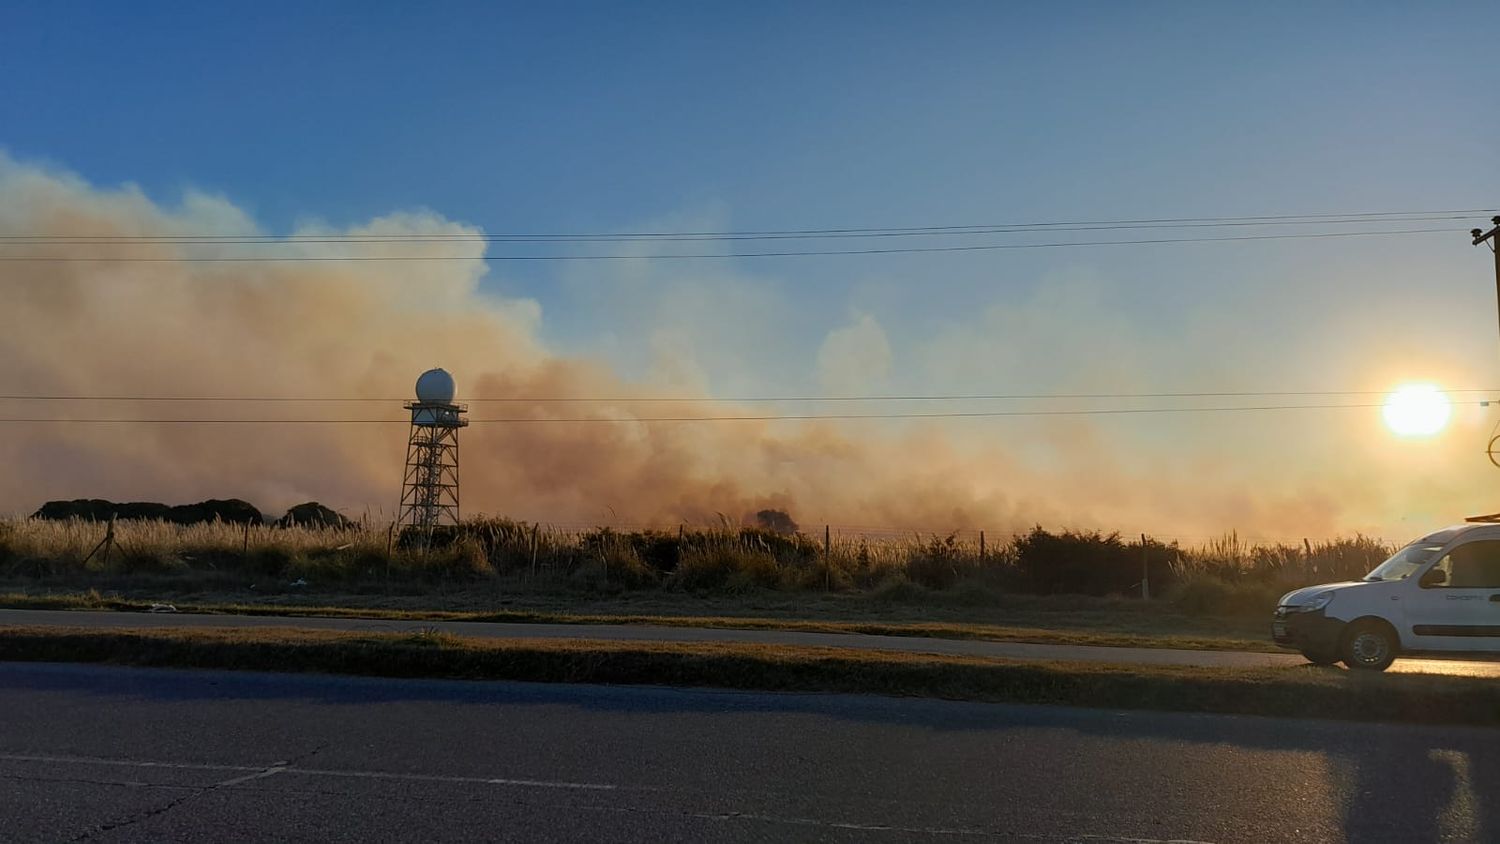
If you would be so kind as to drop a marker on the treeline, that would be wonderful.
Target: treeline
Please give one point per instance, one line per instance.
(227, 510)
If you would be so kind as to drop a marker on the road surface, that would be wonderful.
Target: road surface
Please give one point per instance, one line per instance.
(94, 753)
(653, 633)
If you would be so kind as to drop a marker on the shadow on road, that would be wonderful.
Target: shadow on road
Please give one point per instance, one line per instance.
(1397, 782)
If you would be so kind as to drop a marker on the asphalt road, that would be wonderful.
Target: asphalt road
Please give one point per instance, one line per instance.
(91, 753)
(651, 633)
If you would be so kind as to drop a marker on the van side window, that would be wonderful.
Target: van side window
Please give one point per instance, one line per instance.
(1473, 565)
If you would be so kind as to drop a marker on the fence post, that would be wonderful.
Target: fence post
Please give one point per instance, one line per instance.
(1145, 570)
(827, 559)
(245, 543)
(1307, 563)
(981, 546)
(109, 538)
(533, 549)
(106, 543)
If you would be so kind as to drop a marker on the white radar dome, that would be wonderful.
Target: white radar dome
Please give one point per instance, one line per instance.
(435, 386)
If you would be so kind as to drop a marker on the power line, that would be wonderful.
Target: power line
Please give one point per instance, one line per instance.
(686, 237)
(744, 418)
(738, 399)
(1159, 222)
(699, 255)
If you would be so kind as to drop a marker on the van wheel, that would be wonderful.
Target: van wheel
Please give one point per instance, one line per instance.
(1369, 646)
(1316, 657)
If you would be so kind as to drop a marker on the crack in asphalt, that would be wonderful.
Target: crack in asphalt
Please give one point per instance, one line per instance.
(195, 793)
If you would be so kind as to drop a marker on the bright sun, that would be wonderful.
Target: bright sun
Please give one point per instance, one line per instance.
(1417, 410)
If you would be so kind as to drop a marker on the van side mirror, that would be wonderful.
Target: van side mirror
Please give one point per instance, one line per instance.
(1433, 577)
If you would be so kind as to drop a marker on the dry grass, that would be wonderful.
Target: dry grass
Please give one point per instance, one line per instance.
(1300, 692)
(935, 576)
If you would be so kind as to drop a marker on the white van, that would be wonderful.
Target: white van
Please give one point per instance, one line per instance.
(1438, 595)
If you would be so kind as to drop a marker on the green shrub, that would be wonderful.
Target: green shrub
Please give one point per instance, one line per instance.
(269, 561)
(897, 588)
(726, 568)
(787, 549)
(140, 558)
(1092, 563)
(1207, 594)
(465, 559)
(10, 545)
(613, 575)
(940, 563)
(971, 593)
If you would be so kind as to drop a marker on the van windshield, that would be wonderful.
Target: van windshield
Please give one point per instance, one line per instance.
(1405, 562)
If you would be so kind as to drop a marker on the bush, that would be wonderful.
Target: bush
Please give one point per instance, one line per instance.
(658, 550)
(1092, 563)
(1230, 559)
(614, 574)
(611, 561)
(314, 515)
(940, 563)
(141, 558)
(10, 546)
(726, 568)
(268, 561)
(463, 560)
(971, 593)
(787, 549)
(776, 521)
(897, 588)
(1207, 594)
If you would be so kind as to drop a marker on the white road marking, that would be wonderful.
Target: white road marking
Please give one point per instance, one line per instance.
(131, 763)
(268, 772)
(385, 775)
(253, 772)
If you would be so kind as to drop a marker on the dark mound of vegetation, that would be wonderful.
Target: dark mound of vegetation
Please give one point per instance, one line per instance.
(776, 521)
(100, 510)
(314, 515)
(1092, 563)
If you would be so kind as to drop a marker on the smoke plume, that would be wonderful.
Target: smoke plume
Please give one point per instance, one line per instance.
(337, 329)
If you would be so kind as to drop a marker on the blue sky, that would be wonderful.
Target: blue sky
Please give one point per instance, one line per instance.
(567, 117)
(607, 117)
(577, 117)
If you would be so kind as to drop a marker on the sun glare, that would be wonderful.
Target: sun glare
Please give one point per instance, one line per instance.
(1417, 410)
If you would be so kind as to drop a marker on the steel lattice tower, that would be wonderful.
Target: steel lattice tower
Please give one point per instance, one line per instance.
(429, 489)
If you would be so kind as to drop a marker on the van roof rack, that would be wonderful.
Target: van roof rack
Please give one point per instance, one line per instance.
(1491, 519)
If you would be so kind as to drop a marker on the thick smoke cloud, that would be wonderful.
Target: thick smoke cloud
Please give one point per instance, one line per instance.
(366, 329)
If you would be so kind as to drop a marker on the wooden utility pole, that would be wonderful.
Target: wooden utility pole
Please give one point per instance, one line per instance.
(1493, 238)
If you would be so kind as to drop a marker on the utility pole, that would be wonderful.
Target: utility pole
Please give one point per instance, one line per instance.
(1493, 238)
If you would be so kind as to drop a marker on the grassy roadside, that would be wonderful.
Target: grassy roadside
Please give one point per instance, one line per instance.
(1065, 635)
(1299, 692)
